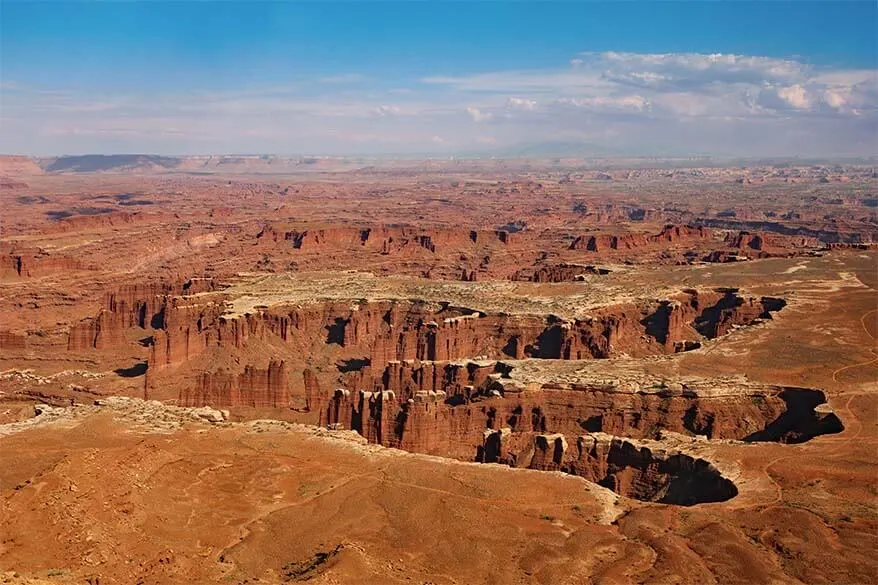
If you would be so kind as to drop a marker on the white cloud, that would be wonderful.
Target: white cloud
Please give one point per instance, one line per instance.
(385, 110)
(796, 96)
(627, 101)
(478, 115)
(836, 98)
(691, 71)
(521, 104)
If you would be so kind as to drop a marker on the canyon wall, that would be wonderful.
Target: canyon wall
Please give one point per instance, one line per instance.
(563, 272)
(12, 340)
(258, 388)
(36, 263)
(475, 411)
(139, 305)
(830, 234)
(444, 408)
(384, 331)
(646, 473)
(670, 234)
(114, 219)
(763, 245)
(386, 239)
(471, 254)
(247, 359)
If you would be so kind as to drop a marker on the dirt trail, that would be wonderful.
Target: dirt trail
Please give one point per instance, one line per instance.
(872, 350)
(841, 440)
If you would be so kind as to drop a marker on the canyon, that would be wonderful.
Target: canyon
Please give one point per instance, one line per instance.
(413, 386)
(235, 368)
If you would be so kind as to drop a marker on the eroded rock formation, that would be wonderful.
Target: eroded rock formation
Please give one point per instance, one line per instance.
(563, 272)
(647, 473)
(268, 388)
(669, 234)
(141, 305)
(400, 383)
(385, 239)
(763, 245)
(476, 411)
(383, 331)
(444, 408)
(12, 340)
(36, 263)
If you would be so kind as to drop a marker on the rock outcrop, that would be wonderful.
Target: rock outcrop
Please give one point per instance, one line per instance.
(141, 305)
(11, 340)
(268, 388)
(36, 263)
(765, 245)
(446, 408)
(101, 221)
(830, 234)
(107, 330)
(649, 473)
(385, 331)
(558, 272)
(386, 239)
(670, 234)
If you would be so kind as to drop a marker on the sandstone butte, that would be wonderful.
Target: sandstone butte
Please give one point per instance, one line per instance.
(493, 372)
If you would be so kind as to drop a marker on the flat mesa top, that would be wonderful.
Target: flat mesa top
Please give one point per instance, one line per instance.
(250, 292)
(569, 300)
(627, 376)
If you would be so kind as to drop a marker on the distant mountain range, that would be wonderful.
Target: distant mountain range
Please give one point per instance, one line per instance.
(152, 163)
(566, 153)
(92, 163)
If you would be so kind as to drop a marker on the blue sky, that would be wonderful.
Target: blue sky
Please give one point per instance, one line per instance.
(733, 77)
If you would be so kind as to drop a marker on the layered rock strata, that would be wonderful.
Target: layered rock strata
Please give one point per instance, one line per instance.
(383, 331)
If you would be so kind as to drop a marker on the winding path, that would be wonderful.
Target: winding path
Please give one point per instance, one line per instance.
(844, 439)
(871, 350)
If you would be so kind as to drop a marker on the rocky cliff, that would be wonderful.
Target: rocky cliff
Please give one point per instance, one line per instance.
(384, 331)
(564, 272)
(670, 234)
(385, 239)
(259, 388)
(12, 340)
(36, 263)
(139, 305)
(447, 409)
(764, 245)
